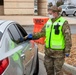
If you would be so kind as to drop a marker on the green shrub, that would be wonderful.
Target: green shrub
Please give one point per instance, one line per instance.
(59, 3)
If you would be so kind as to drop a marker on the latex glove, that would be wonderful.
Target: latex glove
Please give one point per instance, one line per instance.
(30, 36)
(67, 55)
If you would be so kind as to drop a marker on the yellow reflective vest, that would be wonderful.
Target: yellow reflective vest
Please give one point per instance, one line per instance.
(54, 35)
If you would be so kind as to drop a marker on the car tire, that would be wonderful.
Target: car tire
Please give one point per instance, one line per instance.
(63, 13)
(66, 14)
(74, 13)
(36, 71)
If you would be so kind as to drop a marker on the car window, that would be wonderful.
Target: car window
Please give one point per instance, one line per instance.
(71, 7)
(14, 34)
(1, 35)
(23, 32)
(63, 7)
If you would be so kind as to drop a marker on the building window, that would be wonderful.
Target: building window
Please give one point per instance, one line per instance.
(1, 2)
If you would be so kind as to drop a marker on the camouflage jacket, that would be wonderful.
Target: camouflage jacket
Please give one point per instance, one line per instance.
(66, 32)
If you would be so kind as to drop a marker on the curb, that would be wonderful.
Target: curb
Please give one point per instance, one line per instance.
(67, 68)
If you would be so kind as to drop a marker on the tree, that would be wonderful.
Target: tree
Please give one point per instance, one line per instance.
(50, 4)
(59, 3)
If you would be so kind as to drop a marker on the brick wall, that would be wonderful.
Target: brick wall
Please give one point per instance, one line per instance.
(23, 7)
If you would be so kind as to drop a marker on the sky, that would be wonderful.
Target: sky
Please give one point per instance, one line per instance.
(72, 1)
(49, 0)
(53, 1)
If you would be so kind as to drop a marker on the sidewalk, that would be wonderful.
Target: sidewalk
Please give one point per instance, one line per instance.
(28, 20)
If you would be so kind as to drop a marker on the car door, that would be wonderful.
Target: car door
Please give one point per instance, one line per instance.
(15, 59)
(70, 10)
(29, 50)
(73, 9)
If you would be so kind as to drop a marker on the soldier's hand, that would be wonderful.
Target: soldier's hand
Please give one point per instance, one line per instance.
(29, 36)
(66, 54)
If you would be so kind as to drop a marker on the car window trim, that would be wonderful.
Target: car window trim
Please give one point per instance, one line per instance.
(21, 31)
(11, 33)
(1, 35)
(18, 31)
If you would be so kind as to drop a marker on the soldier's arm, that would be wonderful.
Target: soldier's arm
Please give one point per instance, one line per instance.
(39, 34)
(67, 35)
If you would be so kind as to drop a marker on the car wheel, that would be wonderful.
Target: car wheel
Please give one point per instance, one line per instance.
(63, 14)
(74, 13)
(36, 71)
(66, 14)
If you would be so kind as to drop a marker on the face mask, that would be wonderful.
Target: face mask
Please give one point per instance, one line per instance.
(51, 16)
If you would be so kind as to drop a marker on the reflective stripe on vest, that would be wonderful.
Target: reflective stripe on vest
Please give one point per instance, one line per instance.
(54, 35)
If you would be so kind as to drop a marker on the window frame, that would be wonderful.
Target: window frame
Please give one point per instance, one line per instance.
(1, 35)
(21, 29)
(11, 35)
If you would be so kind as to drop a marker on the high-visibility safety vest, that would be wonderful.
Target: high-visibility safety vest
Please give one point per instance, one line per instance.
(54, 35)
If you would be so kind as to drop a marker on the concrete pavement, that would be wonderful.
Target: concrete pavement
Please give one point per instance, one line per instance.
(28, 20)
(23, 20)
(68, 69)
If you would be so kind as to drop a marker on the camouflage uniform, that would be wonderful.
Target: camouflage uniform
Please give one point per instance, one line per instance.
(54, 59)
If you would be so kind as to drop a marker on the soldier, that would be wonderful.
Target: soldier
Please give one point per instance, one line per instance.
(57, 43)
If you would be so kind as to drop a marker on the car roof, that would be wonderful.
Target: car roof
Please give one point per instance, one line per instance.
(4, 24)
(67, 5)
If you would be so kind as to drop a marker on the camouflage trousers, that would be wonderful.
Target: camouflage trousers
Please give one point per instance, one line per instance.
(53, 62)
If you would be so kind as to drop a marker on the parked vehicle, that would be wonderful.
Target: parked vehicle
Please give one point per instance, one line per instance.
(16, 56)
(68, 10)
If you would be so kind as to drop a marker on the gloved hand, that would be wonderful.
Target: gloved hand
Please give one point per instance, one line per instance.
(66, 54)
(30, 36)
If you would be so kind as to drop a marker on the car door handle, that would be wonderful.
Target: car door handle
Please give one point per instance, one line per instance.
(23, 56)
(30, 49)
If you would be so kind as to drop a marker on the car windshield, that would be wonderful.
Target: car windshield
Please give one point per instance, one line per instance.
(1, 35)
(63, 7)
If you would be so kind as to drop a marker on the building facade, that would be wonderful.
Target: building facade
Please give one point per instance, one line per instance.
(22, 7)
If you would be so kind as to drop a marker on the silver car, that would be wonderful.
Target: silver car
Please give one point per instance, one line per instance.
(68, 10)
(15, 55)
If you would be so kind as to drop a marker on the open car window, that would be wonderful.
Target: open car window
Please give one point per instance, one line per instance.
(14, 33)
(23, 32)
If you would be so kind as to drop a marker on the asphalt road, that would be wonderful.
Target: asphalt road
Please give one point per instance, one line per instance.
(71, 16)
(42, 70)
